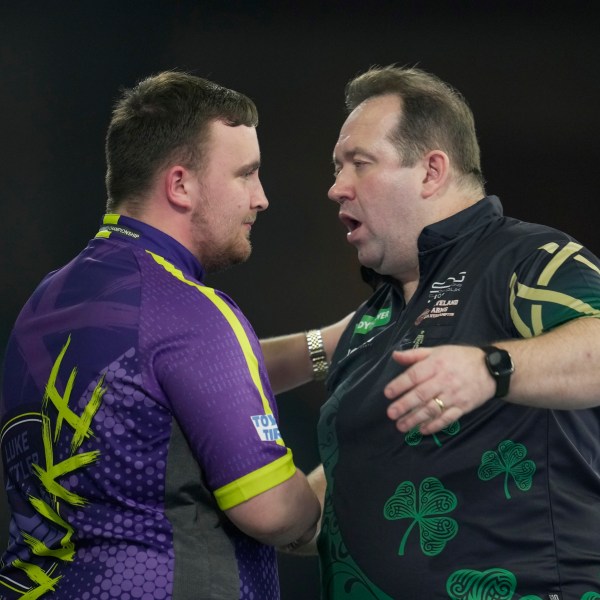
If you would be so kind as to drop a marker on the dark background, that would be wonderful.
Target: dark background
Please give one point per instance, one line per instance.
(530, 71)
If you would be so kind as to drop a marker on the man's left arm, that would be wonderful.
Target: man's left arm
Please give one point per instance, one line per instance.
(555, 370)
(287, 357)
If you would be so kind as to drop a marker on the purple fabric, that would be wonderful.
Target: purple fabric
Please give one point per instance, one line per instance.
(141, 349)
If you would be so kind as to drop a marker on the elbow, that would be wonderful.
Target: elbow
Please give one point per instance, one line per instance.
(280, 526)
(281, 515)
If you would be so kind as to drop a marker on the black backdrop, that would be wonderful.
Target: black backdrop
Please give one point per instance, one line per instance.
(530, 71)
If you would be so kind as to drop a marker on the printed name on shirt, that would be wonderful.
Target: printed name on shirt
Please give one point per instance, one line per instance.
(19, 455)
(442, 308)
(266, 427)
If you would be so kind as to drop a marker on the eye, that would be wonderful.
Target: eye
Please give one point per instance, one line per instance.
(251, 172)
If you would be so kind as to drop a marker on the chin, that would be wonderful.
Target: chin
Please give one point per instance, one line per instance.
(222, 262)
(368, 261)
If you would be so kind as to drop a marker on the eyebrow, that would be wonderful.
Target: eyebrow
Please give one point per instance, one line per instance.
(251, 166)
(352, 152)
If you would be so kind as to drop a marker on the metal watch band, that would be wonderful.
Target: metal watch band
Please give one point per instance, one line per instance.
(316, 353)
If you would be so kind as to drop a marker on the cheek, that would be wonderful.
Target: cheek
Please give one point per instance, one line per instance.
(382, 201)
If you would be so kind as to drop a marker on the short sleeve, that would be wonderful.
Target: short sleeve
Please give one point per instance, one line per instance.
(209, 367)
(556, 283)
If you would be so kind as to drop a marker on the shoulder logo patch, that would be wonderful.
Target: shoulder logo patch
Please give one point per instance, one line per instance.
(267, 428)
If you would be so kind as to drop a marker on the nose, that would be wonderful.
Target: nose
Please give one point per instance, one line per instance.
(259, 198)
(340, 191)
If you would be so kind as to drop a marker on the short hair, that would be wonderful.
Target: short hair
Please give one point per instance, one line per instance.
(165, 118)
(434, 116)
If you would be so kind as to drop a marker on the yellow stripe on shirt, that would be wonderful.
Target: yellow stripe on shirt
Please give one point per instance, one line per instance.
(234, 322)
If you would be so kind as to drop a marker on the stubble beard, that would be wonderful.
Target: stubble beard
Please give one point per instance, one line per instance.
(226, 258)
(220, 256)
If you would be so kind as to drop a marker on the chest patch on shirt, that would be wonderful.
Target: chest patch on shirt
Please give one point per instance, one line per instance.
(267, 428)
(367, 323)
(439, 289)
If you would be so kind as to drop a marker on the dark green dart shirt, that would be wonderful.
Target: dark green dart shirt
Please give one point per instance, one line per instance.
(504, 503)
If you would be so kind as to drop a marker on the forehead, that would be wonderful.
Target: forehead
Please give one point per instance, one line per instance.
(370, 123)
(239, 142)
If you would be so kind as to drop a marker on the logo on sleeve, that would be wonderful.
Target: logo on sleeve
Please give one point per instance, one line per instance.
(267, 428)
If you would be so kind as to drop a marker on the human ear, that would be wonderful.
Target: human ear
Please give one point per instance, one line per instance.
(437, 168)
(178, 185)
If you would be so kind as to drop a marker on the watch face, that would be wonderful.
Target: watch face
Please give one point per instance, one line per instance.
(495, 360)
(501, 367)
(500, 361)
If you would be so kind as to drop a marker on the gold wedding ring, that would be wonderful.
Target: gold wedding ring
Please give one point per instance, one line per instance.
(440, 403)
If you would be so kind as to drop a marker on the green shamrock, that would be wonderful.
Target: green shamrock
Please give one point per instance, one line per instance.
(508, 460)
(434, 500)
(414, 436)
(493, 584)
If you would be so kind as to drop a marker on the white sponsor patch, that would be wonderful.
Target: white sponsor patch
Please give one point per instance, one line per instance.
(266, 427)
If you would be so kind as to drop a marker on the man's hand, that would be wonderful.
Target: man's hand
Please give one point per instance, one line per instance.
(439, 386)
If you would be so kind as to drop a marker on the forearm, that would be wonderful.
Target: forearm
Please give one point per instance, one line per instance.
(558, 369)
(439, 385)
(308, 547)
(287, 362)
(282, 515)
(287, 359)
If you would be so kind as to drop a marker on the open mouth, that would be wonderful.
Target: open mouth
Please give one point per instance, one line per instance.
(350, 223)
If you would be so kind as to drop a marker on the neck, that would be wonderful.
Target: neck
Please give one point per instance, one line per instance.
(409, 288)
(171, 222)
(408, 283)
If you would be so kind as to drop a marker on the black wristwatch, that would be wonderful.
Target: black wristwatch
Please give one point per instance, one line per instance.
(501, 367)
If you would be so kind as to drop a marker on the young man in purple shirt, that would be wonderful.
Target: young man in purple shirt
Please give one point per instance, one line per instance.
(138, 428)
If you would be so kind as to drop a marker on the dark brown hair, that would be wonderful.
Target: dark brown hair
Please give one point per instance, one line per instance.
(434, 116)
(163, 119)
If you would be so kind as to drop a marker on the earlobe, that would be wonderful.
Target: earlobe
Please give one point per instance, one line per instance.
(437, 169)
(178, 186)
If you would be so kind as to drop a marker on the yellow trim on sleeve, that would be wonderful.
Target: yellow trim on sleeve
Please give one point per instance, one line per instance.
(550, 247)
(559, 259)
(514, 313)
(256, 483)
(557, 298)
(536, 319)
(234, 322)
(587, 263)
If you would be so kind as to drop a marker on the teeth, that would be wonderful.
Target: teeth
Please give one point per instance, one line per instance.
(350, 223)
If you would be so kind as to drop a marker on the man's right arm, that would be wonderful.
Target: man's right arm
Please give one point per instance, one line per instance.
(318, 483)
(286, 514)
